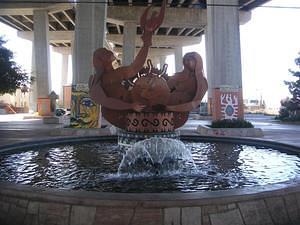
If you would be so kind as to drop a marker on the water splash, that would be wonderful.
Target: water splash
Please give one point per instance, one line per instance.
(157, 156)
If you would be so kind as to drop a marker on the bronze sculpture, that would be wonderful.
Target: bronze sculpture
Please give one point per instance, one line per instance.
(145, 99)
(189, 86)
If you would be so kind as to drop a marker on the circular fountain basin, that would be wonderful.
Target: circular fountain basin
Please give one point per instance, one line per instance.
(276, 203)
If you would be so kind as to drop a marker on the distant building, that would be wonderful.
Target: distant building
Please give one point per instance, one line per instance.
(254, 106)
(18, 102)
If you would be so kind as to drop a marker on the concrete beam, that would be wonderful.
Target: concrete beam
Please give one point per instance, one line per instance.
(173, 16)
(58, 21)
(157, 40)
(63, 50)
(193, 17)
(68, 17)
(23, 8)
(10, 23)
(15, 12)
(152, 51)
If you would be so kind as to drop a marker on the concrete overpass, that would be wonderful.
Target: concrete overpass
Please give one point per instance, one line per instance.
(84, 26)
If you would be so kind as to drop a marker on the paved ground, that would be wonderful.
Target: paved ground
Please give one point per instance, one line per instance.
(14, 128)
(274, 130)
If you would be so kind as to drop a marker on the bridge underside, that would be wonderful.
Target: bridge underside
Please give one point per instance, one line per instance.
(61, 16)
(82, 27)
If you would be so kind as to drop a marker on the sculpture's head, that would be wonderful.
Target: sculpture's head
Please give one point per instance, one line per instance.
(190, 60)
(103, 57)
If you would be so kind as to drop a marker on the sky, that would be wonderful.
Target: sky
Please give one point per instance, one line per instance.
(270, 42)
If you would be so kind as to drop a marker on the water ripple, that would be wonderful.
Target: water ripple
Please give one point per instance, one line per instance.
(94, 167)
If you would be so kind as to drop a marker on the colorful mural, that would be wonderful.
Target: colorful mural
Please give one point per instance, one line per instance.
(229, 106)
(227, 103)
(84, 111)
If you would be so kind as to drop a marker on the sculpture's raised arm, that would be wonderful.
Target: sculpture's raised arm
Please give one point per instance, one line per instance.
(127, 72)
(106, 85)
(155, 21)
(148, 26)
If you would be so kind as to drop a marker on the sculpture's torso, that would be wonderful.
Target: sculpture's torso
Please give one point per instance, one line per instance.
(113, 88)
(183, 88)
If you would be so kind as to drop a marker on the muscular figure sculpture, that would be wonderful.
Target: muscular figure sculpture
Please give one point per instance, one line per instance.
(106, 85)
(165, 105)
(188, 86)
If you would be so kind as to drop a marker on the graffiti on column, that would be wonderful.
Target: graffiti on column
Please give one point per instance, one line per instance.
(84, 111)
(229, 106)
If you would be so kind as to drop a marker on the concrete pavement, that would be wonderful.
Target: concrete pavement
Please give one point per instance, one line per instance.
(274, 130)
(14, 128)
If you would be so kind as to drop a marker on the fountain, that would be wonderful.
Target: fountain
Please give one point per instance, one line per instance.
(148, 173)
(157, 156)
(209, 179)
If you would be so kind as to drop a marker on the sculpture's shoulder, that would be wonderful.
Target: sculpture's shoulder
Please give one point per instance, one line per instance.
(180, 79)
(172, 80)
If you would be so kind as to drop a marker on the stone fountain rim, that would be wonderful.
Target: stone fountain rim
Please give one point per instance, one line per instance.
(150, 199)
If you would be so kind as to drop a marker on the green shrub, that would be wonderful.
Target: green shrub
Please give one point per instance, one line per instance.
(231, 123)
(283, 113)
(290, 106)
(291, 119)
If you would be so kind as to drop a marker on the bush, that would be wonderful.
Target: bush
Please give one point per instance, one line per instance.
(283, 113)
(290, 107)
(289, 118)
(11, 75)
(231, 123)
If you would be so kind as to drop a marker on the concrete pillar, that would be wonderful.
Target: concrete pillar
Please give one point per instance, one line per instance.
(223, 46)
(178, 59)
(73, 53)
(89, 35)
(33, 88)
(129, 36)
(223, 37)
(64, 76)
(64, 69)
(162, 61)
(41, 53)
(209, 65)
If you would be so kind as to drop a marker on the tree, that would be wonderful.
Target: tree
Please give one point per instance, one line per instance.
(290, 107)
(11, 75)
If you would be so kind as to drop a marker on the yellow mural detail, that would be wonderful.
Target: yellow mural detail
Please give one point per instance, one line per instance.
(84, 111)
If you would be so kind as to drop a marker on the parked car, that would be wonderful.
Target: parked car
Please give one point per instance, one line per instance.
(60, 112)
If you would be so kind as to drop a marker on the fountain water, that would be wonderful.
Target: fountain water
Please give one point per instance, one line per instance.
(231, 182)
(157, 156)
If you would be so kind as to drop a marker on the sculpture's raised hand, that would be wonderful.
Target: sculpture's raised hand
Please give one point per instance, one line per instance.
(154, 22)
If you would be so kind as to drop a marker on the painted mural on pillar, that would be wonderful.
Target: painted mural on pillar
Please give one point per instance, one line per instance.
(227, 103)
(84, 111)
(145, 99)
(229, 106)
